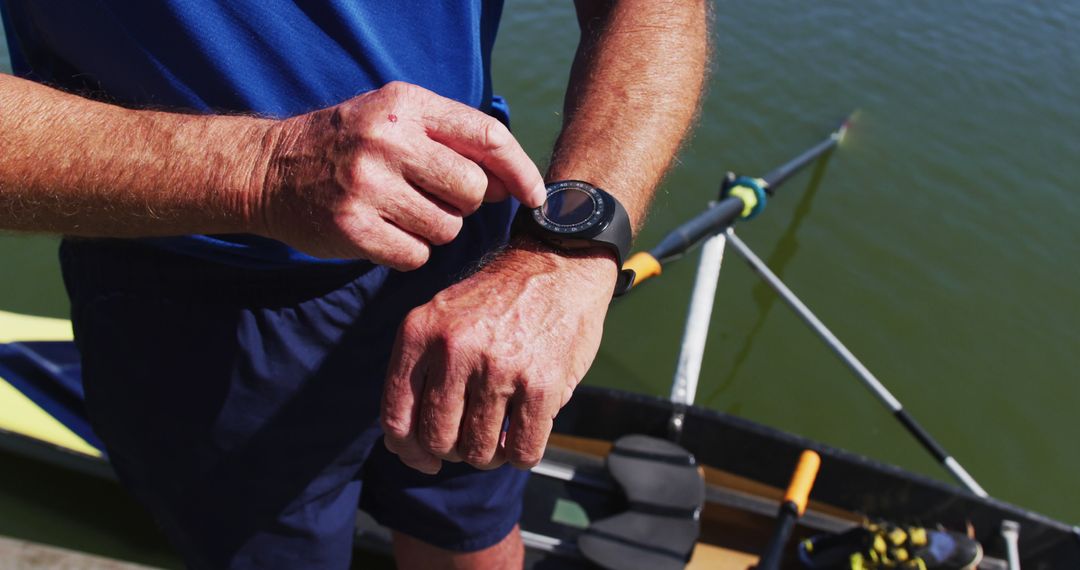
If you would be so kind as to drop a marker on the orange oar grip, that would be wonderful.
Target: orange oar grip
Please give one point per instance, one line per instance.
(802, 480)
(644, 265)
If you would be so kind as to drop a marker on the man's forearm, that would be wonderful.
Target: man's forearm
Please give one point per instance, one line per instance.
(79, 167)
(501, 352)
(634, 91)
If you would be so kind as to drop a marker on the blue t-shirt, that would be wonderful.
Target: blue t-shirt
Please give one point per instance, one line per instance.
(275, 58)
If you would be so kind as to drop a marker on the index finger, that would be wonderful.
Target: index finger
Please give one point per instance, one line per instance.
(487, 142)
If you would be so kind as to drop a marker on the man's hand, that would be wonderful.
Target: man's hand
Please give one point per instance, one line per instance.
(383, 176)
(511, 342)
(388, 174)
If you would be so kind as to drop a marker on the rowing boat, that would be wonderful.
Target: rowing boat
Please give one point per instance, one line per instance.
(746, 466)
(705, 487)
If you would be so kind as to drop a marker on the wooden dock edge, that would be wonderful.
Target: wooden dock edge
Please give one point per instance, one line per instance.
(22, 555)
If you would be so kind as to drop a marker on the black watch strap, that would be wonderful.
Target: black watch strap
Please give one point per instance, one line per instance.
(620, 238)
(608, 227)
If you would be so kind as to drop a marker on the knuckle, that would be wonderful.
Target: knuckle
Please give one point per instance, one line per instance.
(461, 183)
(495, 135)
(477, 457)
(435, 442)
(435, 434)
(473, 186)
(401, 91)
(395, 428)
(411, 258)
(354, 221)
(371, 133)
(495, 463)
(477, 181)
(486, 464)
(350, 229)
(499, 368)
(446, 229)
(459, 346)
(397, 88)
(452, 342)
(413, 325)
(475, 451)
(525, 459)
(534, 387)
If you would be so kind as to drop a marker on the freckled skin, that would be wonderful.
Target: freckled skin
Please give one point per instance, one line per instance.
(345, 183)
(512, 337)
(341, 182)
(338, 182)
(633, 93)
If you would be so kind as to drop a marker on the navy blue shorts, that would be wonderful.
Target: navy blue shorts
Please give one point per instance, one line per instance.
(241, 406)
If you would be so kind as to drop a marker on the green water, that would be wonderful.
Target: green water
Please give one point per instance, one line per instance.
(941, 243)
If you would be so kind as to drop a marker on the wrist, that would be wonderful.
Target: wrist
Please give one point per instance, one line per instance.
(220, 163)
(260, 175)
(580, 218)
(293, 153)
(595, 266)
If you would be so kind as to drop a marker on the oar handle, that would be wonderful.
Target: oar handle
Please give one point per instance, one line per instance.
(712, 221)
(738, 200)
(791, 508)
(644, 266)
(802, 480)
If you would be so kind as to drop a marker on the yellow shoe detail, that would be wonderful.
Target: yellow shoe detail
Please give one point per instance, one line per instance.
(897, 536)
(918, 536)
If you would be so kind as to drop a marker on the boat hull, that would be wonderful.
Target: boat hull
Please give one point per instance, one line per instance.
(746, 465)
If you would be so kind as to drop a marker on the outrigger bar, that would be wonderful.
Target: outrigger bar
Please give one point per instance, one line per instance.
(743, 198)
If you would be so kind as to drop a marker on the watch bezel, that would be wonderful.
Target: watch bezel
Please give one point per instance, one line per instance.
(598, 221)
(608, 226)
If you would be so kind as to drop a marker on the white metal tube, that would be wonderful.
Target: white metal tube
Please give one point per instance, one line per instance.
(1010, 531)
(962, 474)
(856, 366)
(684, 387)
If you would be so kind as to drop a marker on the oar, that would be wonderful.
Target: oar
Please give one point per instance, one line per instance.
(791, 508)
(782, 254)
(743, 198)
(861, 371)
(740, 197)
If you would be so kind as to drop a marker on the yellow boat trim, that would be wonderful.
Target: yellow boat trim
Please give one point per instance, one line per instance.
(15, 327)
(21, 415)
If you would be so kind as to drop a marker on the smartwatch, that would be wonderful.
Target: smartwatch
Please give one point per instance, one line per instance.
(578, 215)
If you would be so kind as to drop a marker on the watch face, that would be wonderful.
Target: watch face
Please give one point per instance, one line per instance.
(570, 207)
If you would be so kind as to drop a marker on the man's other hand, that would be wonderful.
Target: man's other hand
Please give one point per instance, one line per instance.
(388, 174)
(509, 343)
